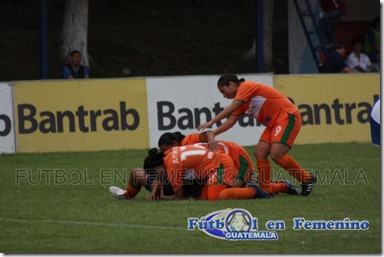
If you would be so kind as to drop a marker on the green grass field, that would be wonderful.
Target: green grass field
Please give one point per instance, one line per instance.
(60, 203)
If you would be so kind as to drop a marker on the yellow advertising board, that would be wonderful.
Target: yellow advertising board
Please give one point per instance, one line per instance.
(334, 108)
(81, 115)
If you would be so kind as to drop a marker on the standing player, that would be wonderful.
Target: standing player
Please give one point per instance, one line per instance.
(282, 120)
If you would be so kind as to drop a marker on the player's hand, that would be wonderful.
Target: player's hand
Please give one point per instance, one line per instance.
(212, 146)
(205, 125)
(151, 197)
(155, 194)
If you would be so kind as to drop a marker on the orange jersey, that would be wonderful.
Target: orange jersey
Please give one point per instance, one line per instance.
(191, 139)
(226, 174)
(179, 160)
(239, 155)
(235, 151)
(262, 102)
(230, 148)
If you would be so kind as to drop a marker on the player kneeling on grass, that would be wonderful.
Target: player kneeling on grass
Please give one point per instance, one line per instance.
(216, 170)
(182, 165)
(242, 160)
(141, 177)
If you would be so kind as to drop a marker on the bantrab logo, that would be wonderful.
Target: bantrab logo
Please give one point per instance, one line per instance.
(231, 224)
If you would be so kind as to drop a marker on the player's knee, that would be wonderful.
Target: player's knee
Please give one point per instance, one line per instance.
(133, 173)
(136, 174)
(275, 156)
(259, 154)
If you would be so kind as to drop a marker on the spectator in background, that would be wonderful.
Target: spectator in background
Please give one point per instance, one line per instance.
(357, 60)
(334, 61)
(372, 43)
(74, 70)
(333, 12)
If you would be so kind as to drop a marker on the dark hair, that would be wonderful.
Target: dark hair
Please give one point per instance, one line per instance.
(229, 77)
(75, 52)
(168, 138)
(340, 45)
(355, 41)
(154, 158)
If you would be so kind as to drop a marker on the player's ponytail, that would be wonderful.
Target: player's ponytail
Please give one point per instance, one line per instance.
(154, 158)
(178, 136)
(229, 77)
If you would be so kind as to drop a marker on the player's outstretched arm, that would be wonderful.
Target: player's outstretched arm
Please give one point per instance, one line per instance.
(209, 137)
(226, 125)
(223, 114)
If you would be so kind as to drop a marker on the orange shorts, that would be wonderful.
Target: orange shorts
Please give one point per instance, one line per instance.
(284, 131)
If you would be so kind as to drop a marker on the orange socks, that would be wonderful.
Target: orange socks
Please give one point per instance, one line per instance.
(294, 168)
(237, 193)
(264, 168)
(131, 191)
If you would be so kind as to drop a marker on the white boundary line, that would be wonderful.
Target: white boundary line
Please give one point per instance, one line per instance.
(88, 223)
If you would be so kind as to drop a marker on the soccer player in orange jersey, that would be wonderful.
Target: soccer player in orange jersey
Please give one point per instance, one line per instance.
(243, 168)
(282, 120)
(192, 171)
(239, 155)
(216, 170)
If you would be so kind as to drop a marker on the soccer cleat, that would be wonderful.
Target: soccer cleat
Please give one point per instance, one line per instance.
(260, 193)
(117, 192)
(306, 187)
(291, 188)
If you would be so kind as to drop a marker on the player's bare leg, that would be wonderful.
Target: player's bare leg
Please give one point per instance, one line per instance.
(137, 179)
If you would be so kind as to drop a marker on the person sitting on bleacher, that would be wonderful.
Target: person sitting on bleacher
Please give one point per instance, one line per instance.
(359, 61)
(334, 61)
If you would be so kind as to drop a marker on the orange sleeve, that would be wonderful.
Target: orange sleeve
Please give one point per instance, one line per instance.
(191, 139)
(246, 91)
(240, 111)
(230, 173)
